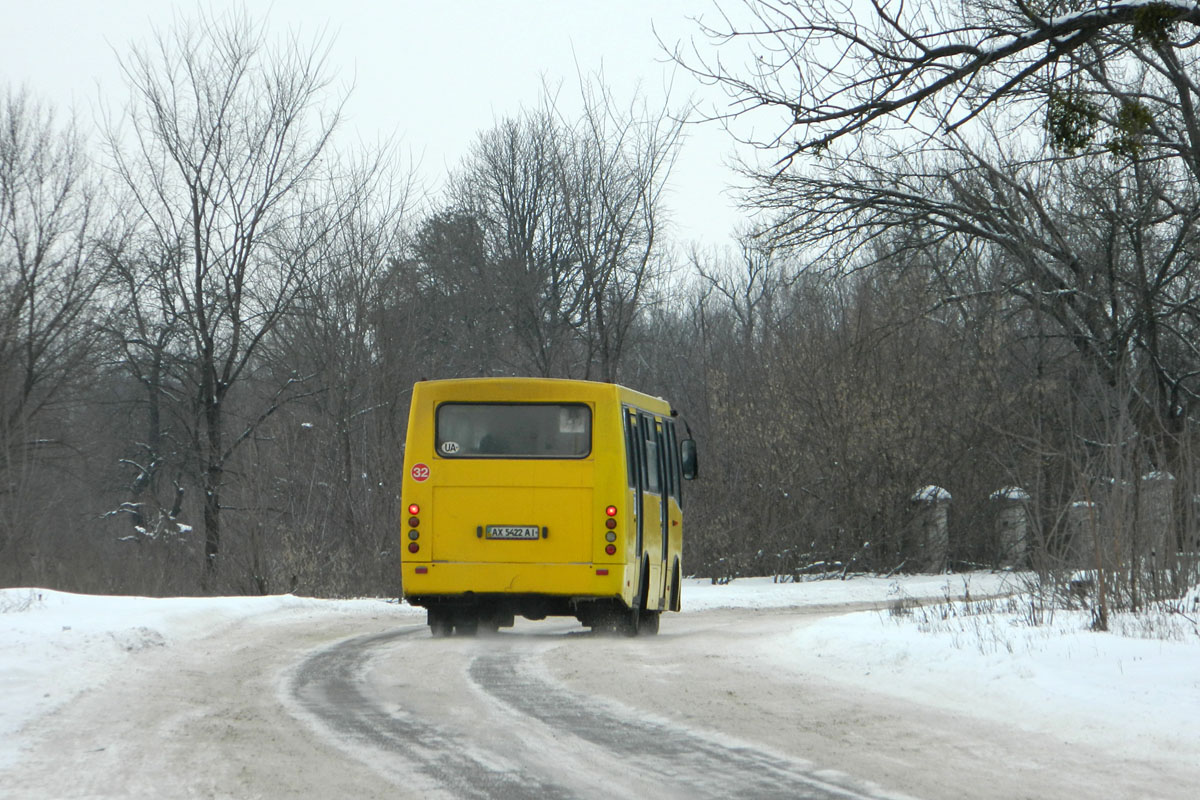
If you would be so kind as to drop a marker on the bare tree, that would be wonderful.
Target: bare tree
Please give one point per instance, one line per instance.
(901, 136)
(566, 215)
(225, 155)
(612, 176)
(47, 276)
(1103, 249)
(831, 70)
(326, 470)
(510, 185)
(48, 279)
(833, 399)
(145, 328)
(442, 310)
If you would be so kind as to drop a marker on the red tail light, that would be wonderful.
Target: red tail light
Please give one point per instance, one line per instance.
(414, 509)
(611, 511)
(413, 547)
(611, 549)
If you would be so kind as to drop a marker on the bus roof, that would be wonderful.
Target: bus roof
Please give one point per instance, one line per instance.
(535, 389)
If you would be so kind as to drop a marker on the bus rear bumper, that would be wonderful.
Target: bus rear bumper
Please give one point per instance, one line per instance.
(448, 580)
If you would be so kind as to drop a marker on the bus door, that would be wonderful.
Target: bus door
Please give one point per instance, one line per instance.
(635, 457)
(663, 431)
(653, 529)
(647, 445)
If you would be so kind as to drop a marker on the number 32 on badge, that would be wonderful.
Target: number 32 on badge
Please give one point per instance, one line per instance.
(420, 472)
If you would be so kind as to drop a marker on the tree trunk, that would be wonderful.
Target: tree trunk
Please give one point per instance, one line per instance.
(212, 491)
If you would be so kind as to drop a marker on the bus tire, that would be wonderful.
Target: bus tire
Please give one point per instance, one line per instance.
(630, 623)
(440, 624)
(492, 621)
(604, 621)
(676, 595)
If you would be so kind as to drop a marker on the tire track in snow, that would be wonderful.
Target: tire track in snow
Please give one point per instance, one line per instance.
(682, 762)
(627, 755)
(329, 686)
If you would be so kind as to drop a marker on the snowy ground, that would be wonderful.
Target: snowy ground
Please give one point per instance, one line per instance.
(1138, 690)
(55, 645)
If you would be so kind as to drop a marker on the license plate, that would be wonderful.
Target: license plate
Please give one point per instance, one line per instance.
(513, 532)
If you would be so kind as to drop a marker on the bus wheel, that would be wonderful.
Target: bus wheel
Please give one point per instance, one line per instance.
(604, 624)
(648, 625)
(491, 621)
(439, 623)
(630, 622)
(467, 626)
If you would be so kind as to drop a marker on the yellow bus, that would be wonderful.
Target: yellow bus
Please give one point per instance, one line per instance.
(542, 497)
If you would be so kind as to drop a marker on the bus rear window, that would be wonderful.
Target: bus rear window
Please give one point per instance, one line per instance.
(514, 430)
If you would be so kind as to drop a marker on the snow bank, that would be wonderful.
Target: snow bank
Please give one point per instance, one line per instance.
(1135, 691)
(700, 593)
(54, 645)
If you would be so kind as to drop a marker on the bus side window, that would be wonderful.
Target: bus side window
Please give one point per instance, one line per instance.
(664, 458)
(632, 456)
(651, 451)
(674, 469)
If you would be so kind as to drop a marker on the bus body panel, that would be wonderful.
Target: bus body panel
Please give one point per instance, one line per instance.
(467, 514)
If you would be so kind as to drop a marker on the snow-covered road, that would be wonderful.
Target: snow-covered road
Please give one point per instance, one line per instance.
(485, 718)
(762, 691)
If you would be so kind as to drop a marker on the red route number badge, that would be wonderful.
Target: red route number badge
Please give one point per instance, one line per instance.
(420, 472)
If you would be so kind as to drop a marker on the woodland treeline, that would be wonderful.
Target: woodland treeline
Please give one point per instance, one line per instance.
(974, 267)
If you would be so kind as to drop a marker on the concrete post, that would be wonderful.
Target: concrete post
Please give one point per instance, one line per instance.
(932, 539)
(1082, 521)
(1155, 516)
(1012, 526)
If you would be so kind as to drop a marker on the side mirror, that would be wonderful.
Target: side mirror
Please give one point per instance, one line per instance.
(687, 454)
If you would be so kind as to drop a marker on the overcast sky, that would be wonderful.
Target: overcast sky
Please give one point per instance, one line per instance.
(430, 74)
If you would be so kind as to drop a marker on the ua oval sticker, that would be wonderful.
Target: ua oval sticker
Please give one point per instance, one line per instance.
(420, 472)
